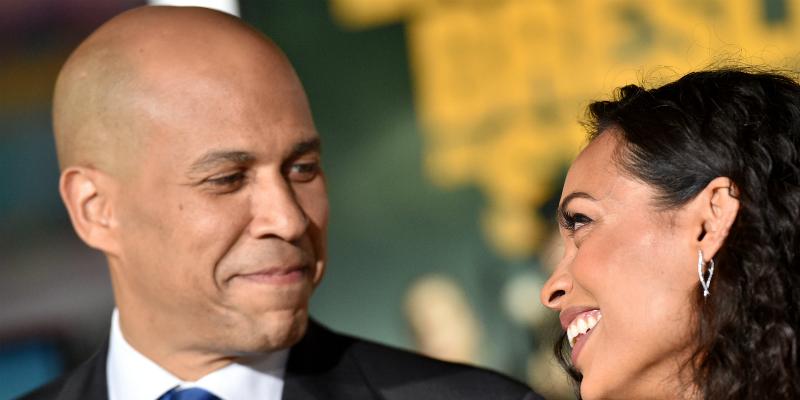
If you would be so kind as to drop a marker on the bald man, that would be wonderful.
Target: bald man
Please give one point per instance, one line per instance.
(189, 157)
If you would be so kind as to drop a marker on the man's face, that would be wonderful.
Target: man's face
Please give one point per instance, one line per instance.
(222, 225)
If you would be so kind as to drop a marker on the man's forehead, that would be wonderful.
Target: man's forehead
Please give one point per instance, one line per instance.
(205, 113)
(153, 60)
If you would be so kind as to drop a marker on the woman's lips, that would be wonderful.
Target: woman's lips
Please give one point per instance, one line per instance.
(579, 323)
(580, 341)
(582, 323)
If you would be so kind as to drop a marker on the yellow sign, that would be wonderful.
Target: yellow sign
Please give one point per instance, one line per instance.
(501, 85)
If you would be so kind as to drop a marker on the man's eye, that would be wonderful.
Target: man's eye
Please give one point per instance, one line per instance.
(226, 181)
(304, 172)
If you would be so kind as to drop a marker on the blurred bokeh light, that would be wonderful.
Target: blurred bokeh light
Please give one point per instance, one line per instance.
(447, 127)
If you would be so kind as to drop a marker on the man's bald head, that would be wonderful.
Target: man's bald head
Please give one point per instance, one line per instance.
(190, 158)
(118, 80)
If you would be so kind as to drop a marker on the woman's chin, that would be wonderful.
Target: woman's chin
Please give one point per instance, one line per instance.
(591, 389)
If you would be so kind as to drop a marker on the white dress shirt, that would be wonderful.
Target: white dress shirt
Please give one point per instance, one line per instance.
(132, 376)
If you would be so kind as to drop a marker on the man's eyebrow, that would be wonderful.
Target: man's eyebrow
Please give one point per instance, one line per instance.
(306, 147)
(214, 158)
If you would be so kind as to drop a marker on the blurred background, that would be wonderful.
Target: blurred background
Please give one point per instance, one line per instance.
(448, 126)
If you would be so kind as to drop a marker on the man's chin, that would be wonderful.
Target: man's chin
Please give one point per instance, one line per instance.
(275, 330)
(289, 331)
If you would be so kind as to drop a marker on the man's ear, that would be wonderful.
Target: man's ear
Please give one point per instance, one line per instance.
(719, 205)
(87, 194)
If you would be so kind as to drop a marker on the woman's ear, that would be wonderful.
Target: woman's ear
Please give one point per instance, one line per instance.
(719, 207)
(86, 193)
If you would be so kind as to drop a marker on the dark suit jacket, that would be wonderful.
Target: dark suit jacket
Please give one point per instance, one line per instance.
(327, 365)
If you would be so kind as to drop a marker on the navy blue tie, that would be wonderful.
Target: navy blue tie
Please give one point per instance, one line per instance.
(189, 394)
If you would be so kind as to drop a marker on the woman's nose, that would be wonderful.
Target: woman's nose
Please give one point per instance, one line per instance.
(556, 287)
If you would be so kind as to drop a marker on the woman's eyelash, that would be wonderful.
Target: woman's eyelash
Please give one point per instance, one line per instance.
(572, 221)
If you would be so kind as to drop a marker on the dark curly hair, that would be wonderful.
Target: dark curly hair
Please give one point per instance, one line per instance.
(744, 125)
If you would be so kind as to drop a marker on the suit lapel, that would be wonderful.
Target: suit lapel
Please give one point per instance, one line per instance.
(321, 367)
(89, 380)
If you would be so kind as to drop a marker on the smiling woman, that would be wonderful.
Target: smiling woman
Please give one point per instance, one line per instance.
(680, 273)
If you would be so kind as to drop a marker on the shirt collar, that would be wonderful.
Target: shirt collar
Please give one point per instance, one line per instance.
(131, 375)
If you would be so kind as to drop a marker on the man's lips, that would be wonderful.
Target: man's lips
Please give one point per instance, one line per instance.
(276, 275)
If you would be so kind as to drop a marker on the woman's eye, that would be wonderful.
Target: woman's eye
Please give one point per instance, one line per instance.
(580, 221)
(572, 222)
(303, 172)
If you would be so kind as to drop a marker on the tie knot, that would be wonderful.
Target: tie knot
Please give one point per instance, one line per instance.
(189, 394)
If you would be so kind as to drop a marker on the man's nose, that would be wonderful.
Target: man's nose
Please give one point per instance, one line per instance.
(276, 211)
(557, 286)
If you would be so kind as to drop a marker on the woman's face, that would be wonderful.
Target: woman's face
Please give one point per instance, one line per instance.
(629, 272)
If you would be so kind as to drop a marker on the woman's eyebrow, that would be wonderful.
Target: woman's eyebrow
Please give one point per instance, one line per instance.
(574, 195)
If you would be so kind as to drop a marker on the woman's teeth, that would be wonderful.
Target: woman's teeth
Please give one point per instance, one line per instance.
(581, 324)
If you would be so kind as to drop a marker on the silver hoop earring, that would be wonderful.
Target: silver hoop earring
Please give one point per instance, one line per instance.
(705, 283)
